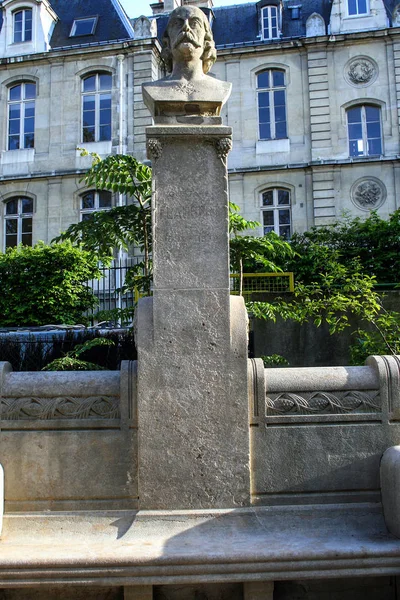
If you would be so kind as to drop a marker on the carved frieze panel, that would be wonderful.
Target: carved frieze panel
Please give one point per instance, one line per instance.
(92, 407)
(361, 71)
(368, 193)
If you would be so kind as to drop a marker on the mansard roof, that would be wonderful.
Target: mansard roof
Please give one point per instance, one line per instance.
(239, 24)
(112, 23)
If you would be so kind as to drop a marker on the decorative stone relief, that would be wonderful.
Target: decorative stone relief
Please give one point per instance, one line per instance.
(396, 16)
(144, 28)
(315, 25)
(323, 403)
(224, 146)
(154, 148)
(368, 193)
(361, 71)
(93, 407)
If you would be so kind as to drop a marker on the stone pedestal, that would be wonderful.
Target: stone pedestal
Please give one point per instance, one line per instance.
(191, 336)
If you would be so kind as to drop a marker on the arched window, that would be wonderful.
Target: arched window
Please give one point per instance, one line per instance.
(94, 200)
(18, 221)
(271, 93)
(21, 116)
(270, 22)
(364, 130)
(22, 25)
(96, 107)
(275, 212)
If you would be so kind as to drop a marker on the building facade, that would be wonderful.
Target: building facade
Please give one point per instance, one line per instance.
(314, 107)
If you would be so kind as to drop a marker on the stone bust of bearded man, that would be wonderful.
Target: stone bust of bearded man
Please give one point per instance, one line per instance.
(188, 53)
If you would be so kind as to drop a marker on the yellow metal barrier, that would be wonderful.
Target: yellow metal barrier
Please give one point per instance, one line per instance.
(258, 283)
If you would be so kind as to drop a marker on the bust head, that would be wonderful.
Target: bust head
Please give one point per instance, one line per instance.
(187, 37)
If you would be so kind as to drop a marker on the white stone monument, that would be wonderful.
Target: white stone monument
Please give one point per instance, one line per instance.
(192, 335)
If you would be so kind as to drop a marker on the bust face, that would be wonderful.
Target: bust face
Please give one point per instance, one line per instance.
(186, 33)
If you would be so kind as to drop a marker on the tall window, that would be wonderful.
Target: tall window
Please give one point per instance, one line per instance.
(357, 7)
(269, 20)
(21, 116)
(94, 200)
(275, 208)
(271, 94)
(22, 22)
(18, 221)
(364, 130)
(96, 107)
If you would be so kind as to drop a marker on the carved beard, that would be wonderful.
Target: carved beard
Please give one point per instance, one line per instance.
(188, 39)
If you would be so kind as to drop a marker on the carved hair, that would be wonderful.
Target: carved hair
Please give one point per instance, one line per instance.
(208, 57)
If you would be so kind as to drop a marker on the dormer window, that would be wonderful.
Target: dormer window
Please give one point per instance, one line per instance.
(357, 7)
(22, 22)
(83, 27)
(269, 22)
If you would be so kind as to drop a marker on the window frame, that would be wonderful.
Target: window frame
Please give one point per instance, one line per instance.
(24, 30)
(364, 129)
(23, 103)
(275, 208)
(267, 10)
(20, 216)
(96, 93)
(358, 13)
(272, 105)
(75, 25)
(96, 207)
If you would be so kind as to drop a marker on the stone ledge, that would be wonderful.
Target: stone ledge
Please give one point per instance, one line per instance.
(153, 547)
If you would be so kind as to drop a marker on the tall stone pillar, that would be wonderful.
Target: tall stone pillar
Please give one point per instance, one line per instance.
(191, 336)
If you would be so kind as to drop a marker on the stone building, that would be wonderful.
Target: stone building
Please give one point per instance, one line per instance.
(68, 74)
(313, 107)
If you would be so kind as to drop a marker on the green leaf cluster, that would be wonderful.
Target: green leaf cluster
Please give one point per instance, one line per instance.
(46, 284)
(72, 361)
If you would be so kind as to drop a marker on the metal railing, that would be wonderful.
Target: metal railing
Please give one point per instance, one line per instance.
(263, 283)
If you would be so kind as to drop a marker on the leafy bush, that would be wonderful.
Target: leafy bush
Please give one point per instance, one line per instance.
(46, 284)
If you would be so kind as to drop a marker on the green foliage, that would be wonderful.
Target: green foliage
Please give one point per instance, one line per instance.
(71, 360)
(45, 284)
(274, 360)
(375, 242)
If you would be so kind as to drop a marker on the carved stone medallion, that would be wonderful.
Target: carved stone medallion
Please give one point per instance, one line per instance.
(361, 71)
(368, 193)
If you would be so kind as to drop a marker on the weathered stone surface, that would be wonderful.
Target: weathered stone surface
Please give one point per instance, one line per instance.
(191, 338)
(390, 486)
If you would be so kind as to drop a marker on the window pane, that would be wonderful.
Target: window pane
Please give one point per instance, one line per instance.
(86, 216)
(374, 130)
(265, 131)
(14, 111)
(29, 109)
(11, 226)
(105, 101)
(88, 134)
(88, 200)
(28, 25)
(27, 225)
(89, 118)
(280, 113)
(280, 130)
(105, 133)
(14, 126)
(354, 115)
(89, 102)
(284, 231)
(29, 140)
(263, 80)
(267, 199)
(372, 113)
(263, 99)
(13, 142)
(362, 7)
(30, 91)
(26, 205)
(278, 78)
(264, 115)
(283, 197)
(355, 131)
(374, 146)
(284, 217)
(268, 217)
(279, 98)
(352, 4)
(89, 84)
(105, 81)
(29, 125)
(355, 148)
(26, 239)
(12, 207)
(15, 93)
(83, 26)
(104, 199)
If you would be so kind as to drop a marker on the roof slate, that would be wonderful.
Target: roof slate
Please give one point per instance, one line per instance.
(109, 27)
